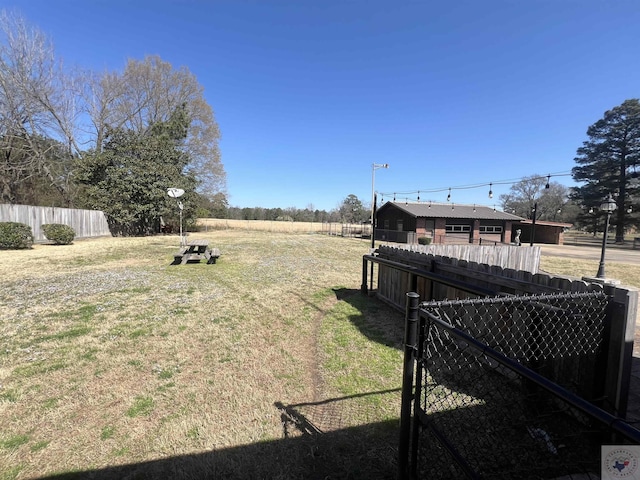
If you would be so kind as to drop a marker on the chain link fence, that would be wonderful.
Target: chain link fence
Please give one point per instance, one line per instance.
(506, 387)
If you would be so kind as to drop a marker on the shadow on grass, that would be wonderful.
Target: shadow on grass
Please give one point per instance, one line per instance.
(305, 452)
(376, 320)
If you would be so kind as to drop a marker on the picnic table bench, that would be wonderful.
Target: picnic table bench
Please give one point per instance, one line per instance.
(196, 250)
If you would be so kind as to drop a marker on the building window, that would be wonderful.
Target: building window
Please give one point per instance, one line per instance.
(400, 226)
(490, 229)
(458, 228)
(386, 224)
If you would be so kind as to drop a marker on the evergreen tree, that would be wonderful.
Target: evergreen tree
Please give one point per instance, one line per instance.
(129, 178)
(352, 211)
(607, 164)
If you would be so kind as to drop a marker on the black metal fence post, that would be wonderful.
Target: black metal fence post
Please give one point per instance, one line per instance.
(363, 287)
(410, 338)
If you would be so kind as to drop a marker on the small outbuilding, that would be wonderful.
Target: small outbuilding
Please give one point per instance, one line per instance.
(405, 222)
(543, 231)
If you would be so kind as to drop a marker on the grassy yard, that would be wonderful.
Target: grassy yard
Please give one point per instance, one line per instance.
(115, 362)
(269, 364)
(628, 274)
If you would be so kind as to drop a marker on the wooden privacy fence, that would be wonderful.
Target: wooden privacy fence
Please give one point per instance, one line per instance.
(86, 223)
(525, 259)
(435, 278)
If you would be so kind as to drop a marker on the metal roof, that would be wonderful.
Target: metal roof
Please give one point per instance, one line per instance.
(450, 210)
(548, 223)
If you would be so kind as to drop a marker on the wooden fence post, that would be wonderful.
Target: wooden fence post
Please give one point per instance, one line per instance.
(622, 321)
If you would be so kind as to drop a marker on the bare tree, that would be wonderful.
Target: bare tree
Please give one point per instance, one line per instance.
(36, 113)
(536, 191)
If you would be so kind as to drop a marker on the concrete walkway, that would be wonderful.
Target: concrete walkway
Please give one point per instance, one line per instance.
(618, 254)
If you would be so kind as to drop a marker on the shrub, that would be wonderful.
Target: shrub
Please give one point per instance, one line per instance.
(424, 240)
(14, 235)
(59, 233)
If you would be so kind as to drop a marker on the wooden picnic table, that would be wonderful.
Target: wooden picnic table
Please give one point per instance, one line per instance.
(196, 250)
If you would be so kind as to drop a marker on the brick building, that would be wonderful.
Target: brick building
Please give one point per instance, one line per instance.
(404, 222)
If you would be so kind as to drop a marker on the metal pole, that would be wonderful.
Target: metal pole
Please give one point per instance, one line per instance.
(410, 345)
(533, 223)
(373, 222)
(373, 234)
(600, 273)
(181, 237)
(374, 166)
(373, 180)
(363, 287)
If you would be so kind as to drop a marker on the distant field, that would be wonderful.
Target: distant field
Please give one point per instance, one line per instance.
(208, 224)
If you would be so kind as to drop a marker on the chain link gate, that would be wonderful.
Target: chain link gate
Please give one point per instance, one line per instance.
(507, 388)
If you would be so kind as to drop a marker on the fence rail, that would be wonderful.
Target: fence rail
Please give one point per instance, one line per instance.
(85, 223)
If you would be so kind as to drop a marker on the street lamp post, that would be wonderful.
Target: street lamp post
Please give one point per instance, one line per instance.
(608, 206)
(374, 167)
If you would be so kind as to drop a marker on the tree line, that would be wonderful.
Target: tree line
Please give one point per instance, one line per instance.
(350, 210)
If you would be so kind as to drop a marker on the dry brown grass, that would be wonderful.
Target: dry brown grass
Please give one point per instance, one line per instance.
(626, 273)
(110, 356)
(207, 224)
(112, 361)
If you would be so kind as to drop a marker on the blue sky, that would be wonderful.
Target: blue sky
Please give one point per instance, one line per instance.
(309, 94)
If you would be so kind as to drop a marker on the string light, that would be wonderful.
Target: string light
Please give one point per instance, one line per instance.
(548, 179)
(474, 208)
(453, 206)
(449, 190)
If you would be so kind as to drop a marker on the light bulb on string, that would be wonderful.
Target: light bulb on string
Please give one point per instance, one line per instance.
(491, 190)
(449, 196)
